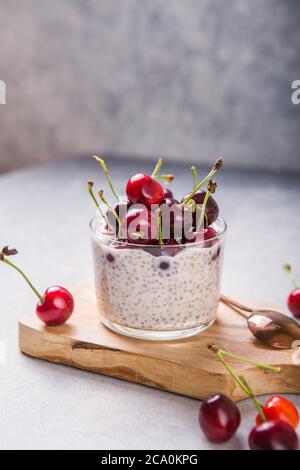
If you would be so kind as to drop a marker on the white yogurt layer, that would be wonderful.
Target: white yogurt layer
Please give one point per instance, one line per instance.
(139, 290)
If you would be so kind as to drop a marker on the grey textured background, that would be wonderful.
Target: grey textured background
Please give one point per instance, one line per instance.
(187, 80)
(44, 405)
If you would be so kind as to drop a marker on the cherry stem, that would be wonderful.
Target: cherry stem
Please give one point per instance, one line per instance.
(258, 405)
(195, 175)
(159, 224)
(91, 193)
(288, 269)
(220, 353)
(231, 372)
(105, 170)
(242, 383)
(157, 167)
(165, 178)
(216, 168)
(103, 199)
(5, 260)
(203, 214)
(214, 348)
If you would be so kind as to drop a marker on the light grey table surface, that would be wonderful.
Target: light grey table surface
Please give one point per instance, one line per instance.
(45, 213)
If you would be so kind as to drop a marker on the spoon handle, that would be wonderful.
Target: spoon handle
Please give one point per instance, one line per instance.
(237, 306)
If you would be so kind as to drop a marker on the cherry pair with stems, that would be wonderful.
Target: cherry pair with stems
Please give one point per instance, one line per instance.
(219, 416)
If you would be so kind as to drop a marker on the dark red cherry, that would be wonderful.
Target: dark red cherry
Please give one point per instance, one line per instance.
(209, 233)
(121, 209)
(176, 219)
(294, 302)
(273, 435)
(170, 248)
(212, 208)
(219, 418)
(56, 306)
(204, 235)
(140, 226)
(169, 201)
(107, 230)
(143, 189)
(168, 194)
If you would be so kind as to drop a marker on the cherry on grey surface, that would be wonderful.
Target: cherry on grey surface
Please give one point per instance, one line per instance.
(45, 213)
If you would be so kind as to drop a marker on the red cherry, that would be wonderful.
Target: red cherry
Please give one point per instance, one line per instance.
(294, 302)
(278, 407)
(273, 435)
(203, 235)
(56, 306)
(219, 418)
(177, 219)
(169, 201)
(168, 194)
(209, 233)
(121, 209)
(212, 208)
(140, 225)
(170, 248)
(143, 189)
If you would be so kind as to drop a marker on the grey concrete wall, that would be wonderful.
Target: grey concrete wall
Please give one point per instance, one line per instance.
(184, 79)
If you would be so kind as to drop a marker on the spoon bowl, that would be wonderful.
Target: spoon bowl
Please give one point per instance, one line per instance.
(268, 326)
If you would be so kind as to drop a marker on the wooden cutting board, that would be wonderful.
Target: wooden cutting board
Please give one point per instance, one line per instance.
(185, 367)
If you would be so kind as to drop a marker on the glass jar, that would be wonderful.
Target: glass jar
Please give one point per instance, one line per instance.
(153, 292)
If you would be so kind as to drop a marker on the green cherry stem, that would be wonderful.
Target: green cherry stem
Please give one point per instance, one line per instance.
(103, 199)
(159, 224)
(165, 178)
(157, 167)
(242, 383)
(195, 175)
(212, 186)
(240, 380)
(231, 372)
(106, 172)
(258, 405)
(90, 185)
(5, 260)
(216, 168)
(224, 352)
(248, 361)
(288, 269)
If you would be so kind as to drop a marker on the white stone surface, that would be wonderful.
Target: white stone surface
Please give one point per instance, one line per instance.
(45, 214)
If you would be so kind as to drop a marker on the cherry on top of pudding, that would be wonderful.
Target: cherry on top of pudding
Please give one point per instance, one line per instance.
(140, 221)
(142, 188)
(211, 210)
(163, 220)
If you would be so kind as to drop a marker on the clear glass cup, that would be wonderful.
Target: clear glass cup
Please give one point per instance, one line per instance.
(144, 293)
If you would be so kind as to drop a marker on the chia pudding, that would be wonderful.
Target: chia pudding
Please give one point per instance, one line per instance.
(157, 258)
(157, 295)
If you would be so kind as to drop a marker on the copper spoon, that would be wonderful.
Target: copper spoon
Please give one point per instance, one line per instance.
(269, 327)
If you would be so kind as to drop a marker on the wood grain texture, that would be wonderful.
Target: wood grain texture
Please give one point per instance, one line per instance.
(185, 367)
